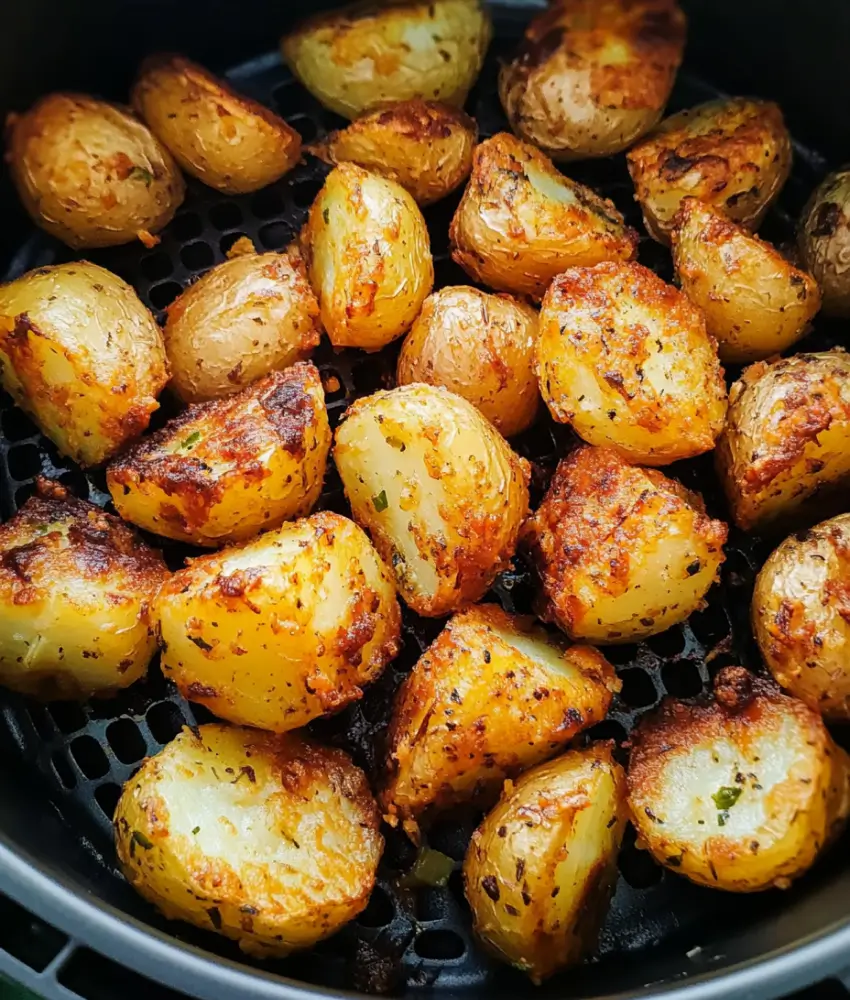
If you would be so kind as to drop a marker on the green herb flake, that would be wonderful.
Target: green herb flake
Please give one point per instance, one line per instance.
(726, 797)
(326, 215)
(395, 442)
(193, 438)
(196, 830)
(140, 839)
(380, 501)
(722, 817)
(431, 868)
(140, 174)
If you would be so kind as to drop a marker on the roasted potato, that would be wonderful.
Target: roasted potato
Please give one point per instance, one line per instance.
(363, 56)
(482, 348)
(801, 616)
(785, 452)
(91, 174)
(622, 552)
(734, 154)
(441, 493)
(75, 590)
(540, 869)
(824, 241)
(223, 471)
(521, 222)
(756, 303)
(82, 355)
(369, 258)
(226, 140)
(625, 359)
(422, 145)
(270, 840)
(740, 793)
(593, 76)
(282, 629)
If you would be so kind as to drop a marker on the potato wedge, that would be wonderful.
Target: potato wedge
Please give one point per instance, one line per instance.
(824, 241)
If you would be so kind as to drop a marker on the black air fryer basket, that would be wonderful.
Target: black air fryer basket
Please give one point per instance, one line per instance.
(63, 764)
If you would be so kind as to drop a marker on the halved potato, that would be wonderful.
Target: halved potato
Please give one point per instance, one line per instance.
(622, 552)
(741, 793)
(272, 841)
(540, 869)
(438, 488)
(625, 359)
(824, 240)
(521, 222)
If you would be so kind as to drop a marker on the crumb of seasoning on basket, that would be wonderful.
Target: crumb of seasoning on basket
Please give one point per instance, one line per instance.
(431, 868)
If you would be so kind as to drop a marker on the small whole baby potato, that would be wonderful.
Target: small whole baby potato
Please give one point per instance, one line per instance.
(824, 241)
(492, 696)
(223, 471)
(282, 629)
(244, 318)
(785, 452)
(521, 222)
(270, 840)
(734, 154)
(591, 77)
(756, 303)
(439, 490)
(481, 347)
(625, 358)
(740, 793)
(801, 616)
(622, 552)
(540, 869)
(90, 173)
(369, 258)
(422, 145)
(82, 355)
(75, 591)
(360, 57)
(226, 140)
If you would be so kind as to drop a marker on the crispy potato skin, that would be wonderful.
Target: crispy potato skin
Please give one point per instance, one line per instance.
(423, 145)
(481, 347)
(733, 154)
(622, 552)
(824, 241)
(223, 471)
(283, 629)
(91, 174)
(521, 222)
(756, 303)
(625, 358)
(591, 77)
(801, 616)
(365, 55)
(493, 695)
(308, 864)
(368, 255)
(82, 355)
(787, 439)
(440, 492)
(75, 590)
(226, 140)
(244, 318)
(793, 785)
(540, 869)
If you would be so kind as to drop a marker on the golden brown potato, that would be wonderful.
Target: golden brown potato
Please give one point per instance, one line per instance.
(223, 471)
(283, 629)
(228, 141)
(441, 493)
(82, 355)
(540, 869)
(756, 303)
(369, 258)
(740, 793)
(622, 552)
(824, 241)
(91, 174)
(422, 145)
(75, 591)
(362, 56)
(734, 154)
(521, 222)
(591, 76)
(785, 452)
(270, 840)
(625, 359)
(801, 616)
(482, 348)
